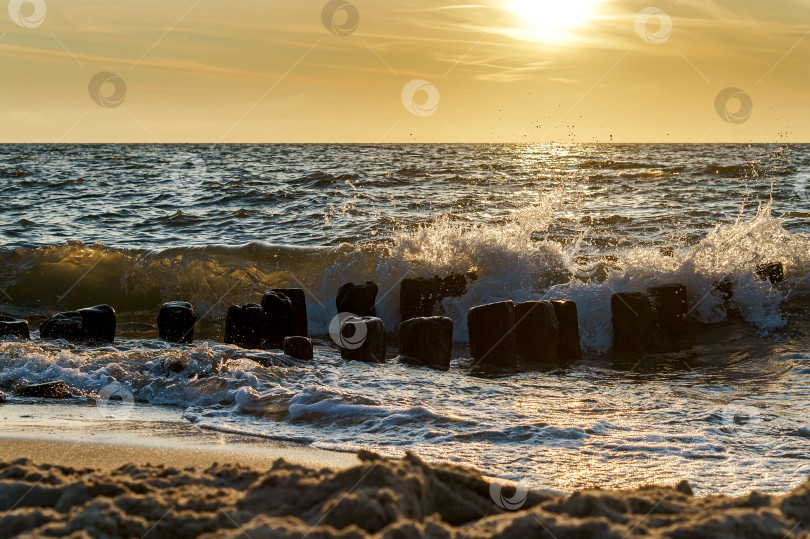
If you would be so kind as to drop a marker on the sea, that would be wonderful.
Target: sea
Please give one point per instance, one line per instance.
(137, 225)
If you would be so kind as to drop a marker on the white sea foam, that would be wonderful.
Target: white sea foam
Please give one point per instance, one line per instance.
(512, 263)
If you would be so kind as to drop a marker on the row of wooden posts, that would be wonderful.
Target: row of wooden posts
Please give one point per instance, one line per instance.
(502, 334)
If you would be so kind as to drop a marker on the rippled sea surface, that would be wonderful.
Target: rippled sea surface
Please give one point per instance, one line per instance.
(158, 196)
(137, 225)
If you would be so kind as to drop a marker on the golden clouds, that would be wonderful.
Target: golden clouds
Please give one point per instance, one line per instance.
(501, 70)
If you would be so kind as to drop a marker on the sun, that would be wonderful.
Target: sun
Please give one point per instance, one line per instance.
(551, 19)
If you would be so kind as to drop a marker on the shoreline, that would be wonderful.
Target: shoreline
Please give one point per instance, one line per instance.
(77, 435)
(67, 468)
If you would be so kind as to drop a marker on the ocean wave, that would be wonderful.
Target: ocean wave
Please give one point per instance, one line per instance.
(513, 259)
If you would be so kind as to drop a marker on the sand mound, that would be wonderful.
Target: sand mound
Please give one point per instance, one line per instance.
(380, 498)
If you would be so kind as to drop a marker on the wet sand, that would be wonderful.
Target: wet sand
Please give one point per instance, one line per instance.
(79, 436)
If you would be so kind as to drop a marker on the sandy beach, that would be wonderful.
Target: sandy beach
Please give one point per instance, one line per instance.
(377, 498)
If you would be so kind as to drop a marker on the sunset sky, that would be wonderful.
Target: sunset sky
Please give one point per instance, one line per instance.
(489, 71)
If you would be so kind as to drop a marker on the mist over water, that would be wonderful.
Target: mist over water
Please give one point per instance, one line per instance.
(218, 225)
